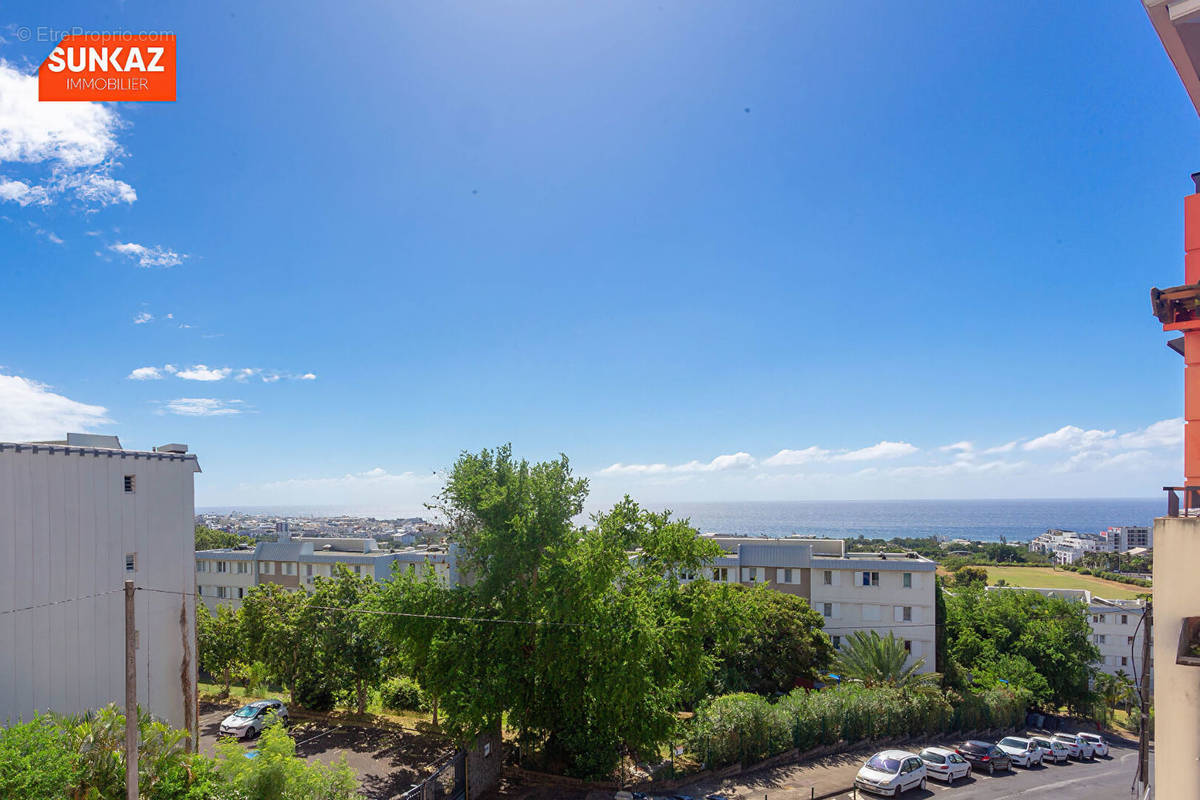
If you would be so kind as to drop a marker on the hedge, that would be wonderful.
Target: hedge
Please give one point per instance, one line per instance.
(746, 728)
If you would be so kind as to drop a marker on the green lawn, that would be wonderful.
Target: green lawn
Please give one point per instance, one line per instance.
(1049, 578)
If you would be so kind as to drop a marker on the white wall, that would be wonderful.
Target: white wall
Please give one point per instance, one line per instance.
(65, 527)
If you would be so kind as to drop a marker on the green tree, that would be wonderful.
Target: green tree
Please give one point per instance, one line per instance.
(1052, 634)
(967, 575)
(219, 640)
(212, 539)
(347, 643)
(277, 774)
(877, 661)
(781, 643)
(271, 630)
(585, 650)
(1112, 691)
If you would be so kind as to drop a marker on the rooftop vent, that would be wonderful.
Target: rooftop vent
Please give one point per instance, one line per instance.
(171, 448)
(93, 440)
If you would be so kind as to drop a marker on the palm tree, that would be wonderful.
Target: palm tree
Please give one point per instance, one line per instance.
(868, 657)
(1113, 690)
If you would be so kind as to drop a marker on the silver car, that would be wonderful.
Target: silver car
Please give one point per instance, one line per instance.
(1077, 746)
(1098, 744)
(1025, 752)
(249, 721)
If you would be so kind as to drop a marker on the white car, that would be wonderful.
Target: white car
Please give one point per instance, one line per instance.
(249, 720)
(1052, 749)
(1077, 746)
(1098, 743)
(945, 764)
(1022, 751)
(891, 773)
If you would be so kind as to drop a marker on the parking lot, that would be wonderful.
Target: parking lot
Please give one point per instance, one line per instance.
(387, 760)
(1105, 778)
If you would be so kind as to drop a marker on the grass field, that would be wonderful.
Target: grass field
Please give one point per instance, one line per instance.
(1049, 578)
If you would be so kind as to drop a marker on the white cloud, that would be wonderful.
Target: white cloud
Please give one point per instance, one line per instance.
(72, 147)
(156, 256)
(958, 447)
(145, 374)
(1164, 433)
(202, 373)
(142, 318)
(1069, 437)
(308, 376)
(719, 464)
(29, 410)
(883, 450)
(204, 407)
(790, 458)
(1003, 448)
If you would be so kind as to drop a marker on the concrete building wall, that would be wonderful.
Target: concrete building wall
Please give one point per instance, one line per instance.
(66, 525)
(1177, 716)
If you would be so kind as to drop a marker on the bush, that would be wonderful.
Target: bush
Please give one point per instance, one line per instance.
(314, 693)
(402, 693)
(747, 728)
(277, 774)
(737, 728)
(37, 761)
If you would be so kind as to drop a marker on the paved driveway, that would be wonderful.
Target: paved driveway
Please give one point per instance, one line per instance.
(387, 760)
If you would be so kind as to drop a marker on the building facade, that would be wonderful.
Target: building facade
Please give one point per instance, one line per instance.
(77, 519)
(223, 577)
(883, 592)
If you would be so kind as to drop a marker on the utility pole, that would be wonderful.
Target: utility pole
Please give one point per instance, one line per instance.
(1144, 727)
(131, 716)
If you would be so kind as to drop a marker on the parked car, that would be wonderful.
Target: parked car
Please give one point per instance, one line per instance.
(984, 755)
(1098, 744)
(891, 773)
(945, 764)
(1077, 746)
(1052, 749)
(1022, 751)
(249, 720)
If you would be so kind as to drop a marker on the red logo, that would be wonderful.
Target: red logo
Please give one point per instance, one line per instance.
(109, 67)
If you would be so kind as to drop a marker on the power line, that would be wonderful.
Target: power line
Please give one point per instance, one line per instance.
(61, 602)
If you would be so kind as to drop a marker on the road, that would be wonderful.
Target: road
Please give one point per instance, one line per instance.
(1104, 779)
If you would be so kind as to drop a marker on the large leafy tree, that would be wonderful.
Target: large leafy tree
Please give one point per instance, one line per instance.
(1051, 634)
(271, 628)
(781, 643)
(219, 640)
(211, 539)
(880, 661)
(345, 644)
(585, 640)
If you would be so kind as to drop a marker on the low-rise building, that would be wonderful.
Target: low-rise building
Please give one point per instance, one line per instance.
(884, 592)
(224, 576)
(1123, 538)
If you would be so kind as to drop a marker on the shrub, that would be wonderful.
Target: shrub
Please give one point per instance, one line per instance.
(402, 693)
(314, 692)
(37, 761)
(737, 728)
(277, 774)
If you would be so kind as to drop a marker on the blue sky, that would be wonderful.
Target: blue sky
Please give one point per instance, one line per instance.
(711, 251)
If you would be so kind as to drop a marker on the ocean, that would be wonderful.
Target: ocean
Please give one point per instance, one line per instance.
(981, 520)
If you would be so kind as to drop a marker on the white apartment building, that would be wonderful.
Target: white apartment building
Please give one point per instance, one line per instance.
(885, 592)
(77, 518)
(224, 576)
(1121, 539)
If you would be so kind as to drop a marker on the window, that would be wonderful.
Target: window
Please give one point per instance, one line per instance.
(828, 577)
(130, 481)
(131, 562)
(241, 593)
(906, 615)
(908, 645)
(357, 569)
(266, 567)
(289, 568)
(837, 642)
(1100, 639)
(1124, 661)
(907, 580)
(308, 570)
(827, 609)
(242, 567)
(787, 576)
(1101, 619)
(721, 574)
(1128, 640)
(221, 592)
(201, 566)
(200, 591)
(222, 566)
(1124, 619)
(870, 579)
